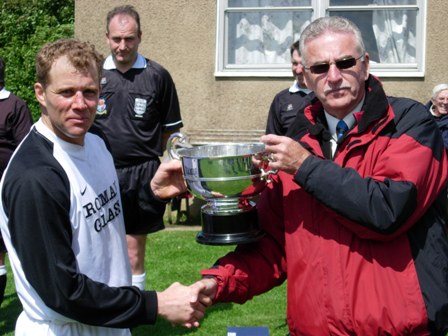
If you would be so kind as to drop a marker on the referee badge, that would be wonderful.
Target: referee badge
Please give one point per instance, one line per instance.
(140, 107)
(101, 108)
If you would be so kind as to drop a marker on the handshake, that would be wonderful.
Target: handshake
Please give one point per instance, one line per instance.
(180, 304)
(186, 305)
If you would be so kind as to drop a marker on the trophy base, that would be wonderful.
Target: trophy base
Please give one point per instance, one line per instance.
(239, 228)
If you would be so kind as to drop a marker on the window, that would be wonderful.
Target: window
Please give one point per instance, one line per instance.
(254, 36)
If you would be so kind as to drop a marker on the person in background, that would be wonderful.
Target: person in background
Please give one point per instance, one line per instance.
(62, 220)
(438, 106)
(355, 219)
(137, 111)
(289, 101)
(15, 123)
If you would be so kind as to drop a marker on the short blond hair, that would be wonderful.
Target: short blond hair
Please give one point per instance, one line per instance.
(82, 55)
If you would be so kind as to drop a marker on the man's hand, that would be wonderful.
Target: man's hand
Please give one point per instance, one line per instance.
(168, 180)
(184, 305)
(285, 153)
(208, 288)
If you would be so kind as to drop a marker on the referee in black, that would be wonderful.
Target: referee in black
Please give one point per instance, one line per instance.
(137, 111)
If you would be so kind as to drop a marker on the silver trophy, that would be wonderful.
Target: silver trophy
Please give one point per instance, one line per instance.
(225, 177)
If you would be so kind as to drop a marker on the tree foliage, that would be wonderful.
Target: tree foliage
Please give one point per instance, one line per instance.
(26, 25)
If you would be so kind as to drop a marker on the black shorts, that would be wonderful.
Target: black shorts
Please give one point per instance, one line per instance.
(141, 214)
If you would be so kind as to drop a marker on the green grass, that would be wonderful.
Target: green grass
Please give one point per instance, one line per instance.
(175, 256)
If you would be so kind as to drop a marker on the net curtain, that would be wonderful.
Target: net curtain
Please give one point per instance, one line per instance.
(394, 34)
(264, 37)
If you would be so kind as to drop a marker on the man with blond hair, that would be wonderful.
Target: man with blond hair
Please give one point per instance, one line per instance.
(62, 220)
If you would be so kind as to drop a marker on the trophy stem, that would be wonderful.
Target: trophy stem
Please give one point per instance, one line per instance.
(229, 227)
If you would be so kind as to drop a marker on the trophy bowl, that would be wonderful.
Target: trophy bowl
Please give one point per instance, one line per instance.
(225, 177)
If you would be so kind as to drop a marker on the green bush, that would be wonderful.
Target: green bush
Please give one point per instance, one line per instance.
(26, 25)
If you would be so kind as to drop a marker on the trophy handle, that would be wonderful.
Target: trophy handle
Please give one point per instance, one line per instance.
(266, 173)
(175, 140)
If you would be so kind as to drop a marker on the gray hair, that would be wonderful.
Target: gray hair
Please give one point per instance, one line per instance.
(437, 89)
(325, 24)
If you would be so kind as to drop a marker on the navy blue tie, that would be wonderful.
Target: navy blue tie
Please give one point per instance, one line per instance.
(341, 128)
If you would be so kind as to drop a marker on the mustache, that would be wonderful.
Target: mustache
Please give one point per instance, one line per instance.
(336, 89)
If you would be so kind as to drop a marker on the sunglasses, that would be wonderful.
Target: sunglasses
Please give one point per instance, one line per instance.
(341, 64)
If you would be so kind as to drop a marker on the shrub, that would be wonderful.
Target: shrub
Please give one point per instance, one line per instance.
(26, 25)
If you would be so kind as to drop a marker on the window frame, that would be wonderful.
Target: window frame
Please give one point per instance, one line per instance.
(319, 8)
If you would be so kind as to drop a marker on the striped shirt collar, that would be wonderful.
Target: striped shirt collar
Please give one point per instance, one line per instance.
(140, 63)
(295, 87)
(349, 119)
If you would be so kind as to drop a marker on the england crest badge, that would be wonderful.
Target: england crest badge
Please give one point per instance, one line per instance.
(101, 108)
(140, 107)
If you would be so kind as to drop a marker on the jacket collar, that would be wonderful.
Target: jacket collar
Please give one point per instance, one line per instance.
(375, 105)
(311, 122)
(374, 108)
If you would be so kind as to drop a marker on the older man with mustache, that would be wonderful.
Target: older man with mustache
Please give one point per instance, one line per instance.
(356, 219)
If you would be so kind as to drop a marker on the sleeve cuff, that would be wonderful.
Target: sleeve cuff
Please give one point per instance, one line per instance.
(154, 197)
(151, 306)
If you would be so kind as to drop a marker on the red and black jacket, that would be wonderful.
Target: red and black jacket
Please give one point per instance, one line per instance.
(361, 237)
